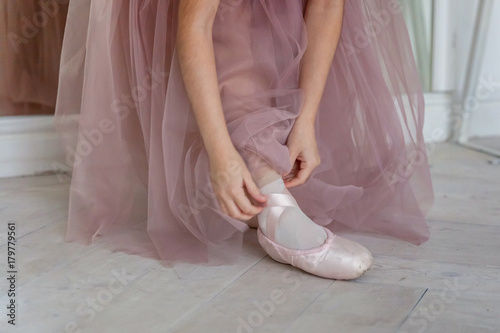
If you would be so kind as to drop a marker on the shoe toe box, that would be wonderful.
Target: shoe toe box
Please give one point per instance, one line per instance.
(346, 260)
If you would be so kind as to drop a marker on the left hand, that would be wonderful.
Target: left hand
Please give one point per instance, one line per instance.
(304, 155)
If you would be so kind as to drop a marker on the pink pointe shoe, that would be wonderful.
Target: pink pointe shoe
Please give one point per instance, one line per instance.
(338, 258)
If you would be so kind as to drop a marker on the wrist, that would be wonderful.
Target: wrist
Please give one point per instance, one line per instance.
(307, 115)
(306, 122)
(219, 147)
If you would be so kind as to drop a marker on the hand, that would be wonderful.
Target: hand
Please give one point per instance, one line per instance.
(304, 155)
(234, 187)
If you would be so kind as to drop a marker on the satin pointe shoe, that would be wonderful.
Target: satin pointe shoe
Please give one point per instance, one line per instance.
(338, 258)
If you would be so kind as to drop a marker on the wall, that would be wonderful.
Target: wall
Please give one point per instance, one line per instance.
(485, 117)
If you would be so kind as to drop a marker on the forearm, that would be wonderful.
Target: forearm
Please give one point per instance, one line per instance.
(197, 62)
(323, 23)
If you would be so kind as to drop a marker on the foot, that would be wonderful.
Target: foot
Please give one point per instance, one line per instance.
(290, 237)
(293, 229)
(338, 258)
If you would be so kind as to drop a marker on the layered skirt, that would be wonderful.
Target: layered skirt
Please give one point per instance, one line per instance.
(140, 172)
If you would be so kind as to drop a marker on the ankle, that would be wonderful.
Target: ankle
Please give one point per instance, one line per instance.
(267, 178)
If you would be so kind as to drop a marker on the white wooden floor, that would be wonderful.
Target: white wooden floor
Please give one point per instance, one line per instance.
(449, 284)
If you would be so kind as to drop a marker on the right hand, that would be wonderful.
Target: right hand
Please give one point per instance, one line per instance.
(233, 185)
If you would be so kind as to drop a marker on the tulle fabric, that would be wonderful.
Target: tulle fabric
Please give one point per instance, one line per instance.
(31, 36)
(140, 173)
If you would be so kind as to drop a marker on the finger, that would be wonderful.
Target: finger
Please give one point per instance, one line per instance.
(293, 172)
(245, 205)
(253, 190)
(294, 182)
(288, 177)
(235, 212)
(293, 157)
(223, 207)
(301, 177)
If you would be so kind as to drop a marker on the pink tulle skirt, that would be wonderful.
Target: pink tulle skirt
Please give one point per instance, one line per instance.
(140, 173)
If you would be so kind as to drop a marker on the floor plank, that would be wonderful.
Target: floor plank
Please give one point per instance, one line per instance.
(264, 299)
(455, 309)
(449, 284)
(350, 307)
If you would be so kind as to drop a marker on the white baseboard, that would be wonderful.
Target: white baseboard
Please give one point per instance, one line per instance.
(437, 128)
(28, 145)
